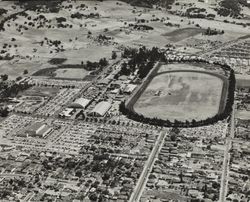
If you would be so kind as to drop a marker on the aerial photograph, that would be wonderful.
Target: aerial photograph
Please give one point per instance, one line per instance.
(125, 100)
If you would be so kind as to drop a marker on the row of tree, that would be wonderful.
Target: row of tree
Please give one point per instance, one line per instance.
(131, 114)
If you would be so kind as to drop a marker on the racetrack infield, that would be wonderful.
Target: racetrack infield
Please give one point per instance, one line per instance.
(182, 95)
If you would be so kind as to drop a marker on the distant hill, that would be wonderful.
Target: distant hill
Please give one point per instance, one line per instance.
(141, 3)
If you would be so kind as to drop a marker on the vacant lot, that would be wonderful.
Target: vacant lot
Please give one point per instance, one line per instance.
(182, 96)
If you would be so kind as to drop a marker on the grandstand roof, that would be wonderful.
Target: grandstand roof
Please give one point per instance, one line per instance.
(101, 108)
(80, 103)
(129, 88)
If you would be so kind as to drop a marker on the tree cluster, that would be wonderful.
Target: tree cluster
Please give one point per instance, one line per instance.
(142, 27)
(142, 59)
(4, 112)
(90, 66)
(211, 32)
(230, 8)
(13, 90)
(4, 77)
(3, 11)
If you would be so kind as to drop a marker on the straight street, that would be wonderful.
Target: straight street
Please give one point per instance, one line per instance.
(147, 169)
(225, 171)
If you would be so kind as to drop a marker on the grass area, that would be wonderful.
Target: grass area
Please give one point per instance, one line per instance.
(63, 71)
(72, 73)
(182, 96)
(180, 34)
(40, 91)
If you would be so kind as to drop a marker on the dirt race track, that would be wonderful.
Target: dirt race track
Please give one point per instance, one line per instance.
(182, 95)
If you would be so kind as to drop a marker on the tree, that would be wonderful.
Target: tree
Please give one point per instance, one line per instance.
(25, 71)
(103, 62)
(4, 112)
(93, 197)
(124, 70)
(106, 176)
(79, 173)
(4, 77)
(114, 55)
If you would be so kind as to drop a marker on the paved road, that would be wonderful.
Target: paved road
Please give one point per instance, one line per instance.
(147, 169)
(225, 172)
(11, 175)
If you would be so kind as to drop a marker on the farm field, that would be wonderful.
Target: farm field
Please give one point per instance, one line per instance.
(182, 96)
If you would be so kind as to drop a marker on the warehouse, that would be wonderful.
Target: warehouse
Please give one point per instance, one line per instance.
(38, 129)
(80, 103)
(101, 109)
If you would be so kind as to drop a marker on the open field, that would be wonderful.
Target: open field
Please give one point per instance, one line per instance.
(64, 73)
(71, 73)
(33, 46)
(180, 34)
(40, 91)
(182, 96)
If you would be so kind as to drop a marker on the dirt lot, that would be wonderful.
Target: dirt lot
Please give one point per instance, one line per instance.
(182, 96)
